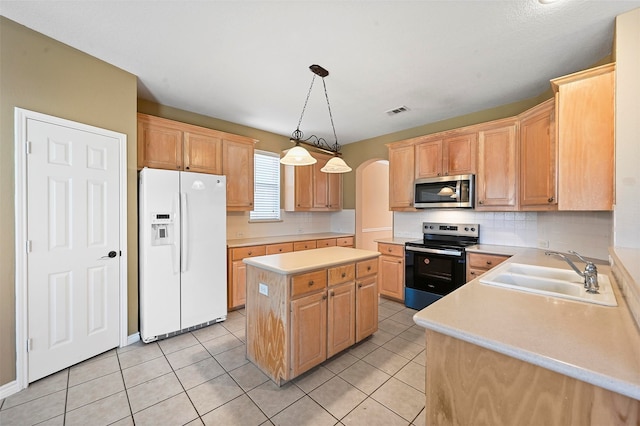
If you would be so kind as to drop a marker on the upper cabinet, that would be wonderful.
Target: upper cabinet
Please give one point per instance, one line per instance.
(401, 175)
(172, 145)
(497, 178)
(538, 158)
(307, 188)
(450, 155)
(585, 136)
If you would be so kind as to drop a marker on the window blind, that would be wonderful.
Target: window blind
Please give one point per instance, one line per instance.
(266, 203)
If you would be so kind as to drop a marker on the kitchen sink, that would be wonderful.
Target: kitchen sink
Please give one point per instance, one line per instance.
(556, 282)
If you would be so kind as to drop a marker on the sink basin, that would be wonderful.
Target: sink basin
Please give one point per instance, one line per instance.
(556, 282)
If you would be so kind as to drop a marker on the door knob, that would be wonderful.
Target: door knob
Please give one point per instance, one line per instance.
(110, 255)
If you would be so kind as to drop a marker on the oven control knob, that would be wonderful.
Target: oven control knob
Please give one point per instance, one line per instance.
(473, 229)
(466, 228)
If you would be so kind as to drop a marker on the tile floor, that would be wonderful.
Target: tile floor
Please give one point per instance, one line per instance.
(203, 377)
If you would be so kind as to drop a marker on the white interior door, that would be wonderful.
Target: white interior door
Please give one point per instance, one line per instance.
(73, 232)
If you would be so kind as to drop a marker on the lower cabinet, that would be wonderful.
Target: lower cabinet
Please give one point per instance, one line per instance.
(391, 271)
(329, 310)
(479, 263)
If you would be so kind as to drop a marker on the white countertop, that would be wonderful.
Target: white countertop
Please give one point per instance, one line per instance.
(395, 240)
(308, 260)
(257, 241)
(596, 344)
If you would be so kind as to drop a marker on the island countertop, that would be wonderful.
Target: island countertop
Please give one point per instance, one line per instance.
(307, 260)
(599, 345)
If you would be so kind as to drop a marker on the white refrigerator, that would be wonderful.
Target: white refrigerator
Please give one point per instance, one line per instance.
(182, 251)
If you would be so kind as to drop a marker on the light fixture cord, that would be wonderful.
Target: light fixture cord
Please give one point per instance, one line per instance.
(298, 134)
(336, 147)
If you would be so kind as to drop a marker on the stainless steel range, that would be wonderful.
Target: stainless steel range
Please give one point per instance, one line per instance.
(436, 265)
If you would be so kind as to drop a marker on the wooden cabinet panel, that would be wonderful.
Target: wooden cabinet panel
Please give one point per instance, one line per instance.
(202, 153)
(341, 274)
(366, 268)
(428, 158)
(344, 242)
(309, 282)
(308, 332)
(304, 245)
(391, 277)
(585, 137)
(327, 242)
(479, 263)
(249, 251)
(366, 307)
(159, 146)
(341, 317)
(459, 154)
(496, 181)
(538, 158)
(238, 290)
(238, 168)
(307, 188)
(391, 249)
(401, 176)
(279, 248)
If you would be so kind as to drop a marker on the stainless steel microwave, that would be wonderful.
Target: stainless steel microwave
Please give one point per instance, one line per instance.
(444, 192)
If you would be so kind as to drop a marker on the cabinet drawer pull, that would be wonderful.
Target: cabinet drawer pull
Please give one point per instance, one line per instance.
(310, 283)
(250, 253)
(280, 249)
(488, 262)
(472, 272)
(324, 296)
(344, 274)
(389, 249)
(368, 268)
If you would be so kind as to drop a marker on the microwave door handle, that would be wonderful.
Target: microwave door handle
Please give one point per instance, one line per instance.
(458, 191)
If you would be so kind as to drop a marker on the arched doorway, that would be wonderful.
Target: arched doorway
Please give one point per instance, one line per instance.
(373, 218)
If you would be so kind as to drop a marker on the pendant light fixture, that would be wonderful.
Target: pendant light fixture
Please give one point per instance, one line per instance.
(298, 155)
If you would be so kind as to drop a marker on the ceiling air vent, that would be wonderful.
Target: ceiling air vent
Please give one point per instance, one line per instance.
(398, 110)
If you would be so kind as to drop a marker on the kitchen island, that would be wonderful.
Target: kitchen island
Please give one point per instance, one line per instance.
(304, 307)
(501, 356)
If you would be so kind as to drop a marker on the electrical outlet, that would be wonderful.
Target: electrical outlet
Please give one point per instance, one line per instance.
(239, 234)
(263, 289)
(543, 244)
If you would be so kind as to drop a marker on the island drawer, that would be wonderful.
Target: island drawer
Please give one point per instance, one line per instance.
(309, 282)
(327, 242)
(366, 267)
(391, 249)
(304, 245)
(344, 242)
(342, 274)
(279, 248)
(251, 251)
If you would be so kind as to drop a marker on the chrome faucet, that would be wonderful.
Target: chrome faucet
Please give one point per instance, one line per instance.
(590, 273)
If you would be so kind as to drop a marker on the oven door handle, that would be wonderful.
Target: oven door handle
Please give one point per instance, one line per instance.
(434, 251)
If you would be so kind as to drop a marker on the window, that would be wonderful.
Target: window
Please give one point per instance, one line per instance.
(266, 186)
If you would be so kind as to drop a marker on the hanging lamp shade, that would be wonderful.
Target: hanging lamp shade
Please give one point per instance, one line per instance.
(336, 165)
(297, 156)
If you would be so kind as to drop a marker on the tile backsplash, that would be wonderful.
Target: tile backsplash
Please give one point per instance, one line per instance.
(589, 233)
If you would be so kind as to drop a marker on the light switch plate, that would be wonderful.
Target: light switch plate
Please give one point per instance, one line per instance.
(263, 289)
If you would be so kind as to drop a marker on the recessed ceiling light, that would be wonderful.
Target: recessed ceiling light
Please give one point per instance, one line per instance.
(397, 110)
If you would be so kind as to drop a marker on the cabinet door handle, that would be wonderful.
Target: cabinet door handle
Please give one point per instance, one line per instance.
(324, 296)
(332, 293)
(399, 261)
(550, 199)
(480, 202)
(472, 272)
(359, 285)
(186, 168)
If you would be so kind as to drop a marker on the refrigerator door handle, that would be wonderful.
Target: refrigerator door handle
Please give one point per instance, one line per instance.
(184, 243)
(175, 248)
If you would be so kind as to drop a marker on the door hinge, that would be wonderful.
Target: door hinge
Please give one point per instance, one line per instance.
(28, 246)
(29, 344)
(27, 147)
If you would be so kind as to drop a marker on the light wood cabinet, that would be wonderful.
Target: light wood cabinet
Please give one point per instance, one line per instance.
(401, 175)
(307, 188)
(458, 371)
(538, 158)
(237, 273)
(446, 155)
(344, 242)
(479, 263)
(172, 145)
(305, 245)
(308, 317)
(497, 178)
(391, 271)
(238, 168)
(585, 137)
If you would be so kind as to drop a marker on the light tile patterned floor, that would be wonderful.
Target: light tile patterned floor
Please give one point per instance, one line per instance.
(203, 377)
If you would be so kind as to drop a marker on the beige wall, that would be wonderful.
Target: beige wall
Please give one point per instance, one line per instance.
(43, 75)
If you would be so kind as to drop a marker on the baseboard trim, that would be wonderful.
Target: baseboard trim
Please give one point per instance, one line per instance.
(133, 338)
(9, 389)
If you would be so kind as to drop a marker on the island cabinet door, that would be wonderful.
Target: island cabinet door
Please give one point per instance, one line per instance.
(341, 321)
(308, 332)
(366, 307)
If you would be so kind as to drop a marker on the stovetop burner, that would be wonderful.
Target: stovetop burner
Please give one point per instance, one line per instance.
(448, 235)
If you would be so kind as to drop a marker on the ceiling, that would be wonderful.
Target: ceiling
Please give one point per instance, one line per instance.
(247, 61)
